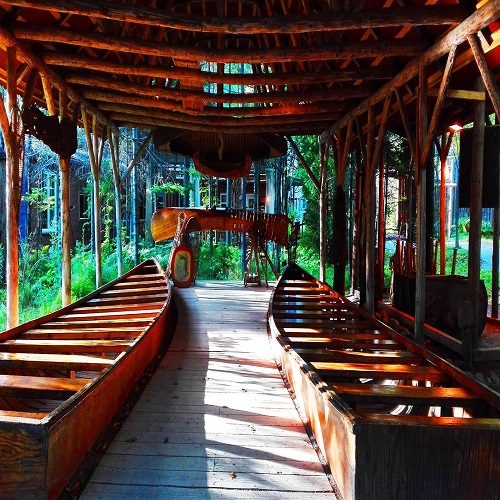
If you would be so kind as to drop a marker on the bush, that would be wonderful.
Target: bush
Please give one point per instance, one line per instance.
(224, 264)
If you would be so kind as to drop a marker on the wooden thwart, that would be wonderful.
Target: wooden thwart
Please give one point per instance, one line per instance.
(40, 387)
(332, 370)
(405, 395)
(371, 397)
(64, 377)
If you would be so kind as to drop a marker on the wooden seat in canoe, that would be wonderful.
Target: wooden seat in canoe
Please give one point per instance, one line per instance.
(400, 357)
(329, 371)
(336, 343)
(82, 333)
(64, 346)
(405, 395)
(53, 361)
(40, 387)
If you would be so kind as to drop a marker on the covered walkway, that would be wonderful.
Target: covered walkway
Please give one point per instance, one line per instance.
(216, 420)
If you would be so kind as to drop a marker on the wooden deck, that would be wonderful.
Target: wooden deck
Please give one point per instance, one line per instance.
(216, 420)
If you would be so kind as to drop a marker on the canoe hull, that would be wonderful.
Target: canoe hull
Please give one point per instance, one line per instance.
(372, 453)
(45, 453)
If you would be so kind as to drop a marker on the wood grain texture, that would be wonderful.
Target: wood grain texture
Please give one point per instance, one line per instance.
(215, 418)
(65, 376)
(376, 413)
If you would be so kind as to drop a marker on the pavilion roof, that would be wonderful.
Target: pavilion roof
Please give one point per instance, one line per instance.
(288, 67)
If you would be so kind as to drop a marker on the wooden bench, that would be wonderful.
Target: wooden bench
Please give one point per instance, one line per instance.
(330, 370)
(40, 387)
(53, 361)
(399, 357)
(405, 395)
(64, 346)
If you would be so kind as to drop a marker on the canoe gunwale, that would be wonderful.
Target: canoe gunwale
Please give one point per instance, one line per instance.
(378, 455)
(67, 433)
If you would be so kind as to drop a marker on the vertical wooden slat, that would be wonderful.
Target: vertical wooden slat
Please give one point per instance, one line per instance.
(476, 187)
(64, 166)
(113, 141)
(12, 214)
(322, 211)
(421, 181)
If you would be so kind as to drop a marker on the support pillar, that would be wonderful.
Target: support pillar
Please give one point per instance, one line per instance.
(476, 206)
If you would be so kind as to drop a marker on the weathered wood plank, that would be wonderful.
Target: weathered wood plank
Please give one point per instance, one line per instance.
(409, 395)
(53, 361)
(39, 387)
(217, 404)
(64, 346)
(329, 370)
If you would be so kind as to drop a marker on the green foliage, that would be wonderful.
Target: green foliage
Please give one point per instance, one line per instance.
(169, 188)
(160, 252)
(223, 264)
(464, 228)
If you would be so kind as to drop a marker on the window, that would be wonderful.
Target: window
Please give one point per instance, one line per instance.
(49, 214)
(83, 206)
(223, 200)
(250, 201)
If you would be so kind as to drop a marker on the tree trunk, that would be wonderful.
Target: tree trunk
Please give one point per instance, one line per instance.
(340, 244)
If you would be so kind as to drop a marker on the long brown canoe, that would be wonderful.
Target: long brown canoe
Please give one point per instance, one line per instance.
(64, 377)
(392, 419)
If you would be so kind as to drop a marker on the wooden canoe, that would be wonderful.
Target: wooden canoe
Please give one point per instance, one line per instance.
(272, 227)
(392, 419)
(63, 378)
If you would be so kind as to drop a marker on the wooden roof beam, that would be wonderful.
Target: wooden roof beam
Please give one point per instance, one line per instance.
(108, 98)
(90, 63)
(325, 21)
(34, 61)
(300, 128)
(189, 53)
(359, 91)
(486, 14)
(121, 114)
(241, 113)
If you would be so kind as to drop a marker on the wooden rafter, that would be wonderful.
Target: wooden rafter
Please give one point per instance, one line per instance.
(34, 61)
(94, 40)
(199, 96)
(198, 76)
(289, 24)
(487, 13)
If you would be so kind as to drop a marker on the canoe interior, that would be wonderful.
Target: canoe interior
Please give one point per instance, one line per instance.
(392, 419)
(63, 378)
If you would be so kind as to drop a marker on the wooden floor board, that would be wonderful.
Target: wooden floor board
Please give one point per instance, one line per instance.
(216, 420)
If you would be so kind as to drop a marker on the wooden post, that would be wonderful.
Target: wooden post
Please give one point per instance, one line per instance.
(93, 155)
(11, 194)
(494, 262)
(113, 141)
(466, 325)
(322, 212)
(442, 210)
(64, 165)
(369, 215)
(420, 179)
(381, 228)
(474, 261)
(443, 155)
